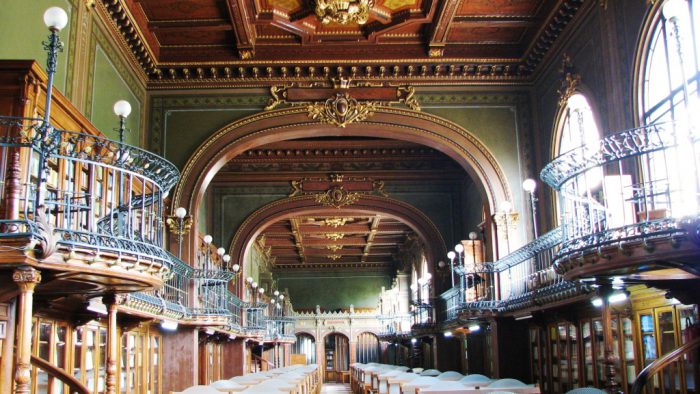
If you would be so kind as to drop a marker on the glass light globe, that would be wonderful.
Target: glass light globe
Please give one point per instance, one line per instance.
(55, 18)
(180, 213)
(506, 206)
(255, 284)
(459, 248)
(281, 296)
(473, 235)
(226, 258)
(249, 279)
(276, 293)
(441, 264)
(428, 276)
(122, 108)
(675, 9)
(529, 185)
(221, 251)
(451, 255)
(236, 267)
(261, 290)
(208, 238)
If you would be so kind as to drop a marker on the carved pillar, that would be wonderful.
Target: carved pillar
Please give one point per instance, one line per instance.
(609, 365)
(112, 343)
(26, 279)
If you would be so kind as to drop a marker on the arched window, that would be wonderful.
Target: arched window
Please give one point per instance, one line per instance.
(669, 100)
(580, 200)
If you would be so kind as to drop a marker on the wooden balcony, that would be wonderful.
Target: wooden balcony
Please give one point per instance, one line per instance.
(95, 226)
(630, 205)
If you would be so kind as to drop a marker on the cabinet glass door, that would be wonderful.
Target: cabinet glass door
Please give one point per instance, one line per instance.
(667, 343)
(688, 321)
(588, 364)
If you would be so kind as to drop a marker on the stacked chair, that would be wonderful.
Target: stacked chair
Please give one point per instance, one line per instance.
(295, 379)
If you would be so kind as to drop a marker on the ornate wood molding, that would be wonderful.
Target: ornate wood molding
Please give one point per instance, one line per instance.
(337, 191)
(570, 80)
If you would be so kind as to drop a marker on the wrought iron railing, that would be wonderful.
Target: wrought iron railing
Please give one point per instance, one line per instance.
(255, 317)
(634, 185)
(395, 325)
(279, 328)
(88, 180)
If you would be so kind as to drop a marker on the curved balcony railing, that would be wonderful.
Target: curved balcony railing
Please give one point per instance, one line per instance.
(280, 328)
(98, 197)
(634, 186)
(519, 280)
(173, 299)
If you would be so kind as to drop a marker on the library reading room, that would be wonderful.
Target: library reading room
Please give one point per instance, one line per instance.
(349, 196)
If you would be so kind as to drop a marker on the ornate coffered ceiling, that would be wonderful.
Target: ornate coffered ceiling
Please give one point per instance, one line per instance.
(264, 42)
(335, 242)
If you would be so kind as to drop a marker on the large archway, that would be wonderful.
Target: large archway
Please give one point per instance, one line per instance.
(293, 123)
(433, 244)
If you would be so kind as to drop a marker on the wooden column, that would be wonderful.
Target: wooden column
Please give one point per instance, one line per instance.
(27, 279)
(610, 384)
(112, 343)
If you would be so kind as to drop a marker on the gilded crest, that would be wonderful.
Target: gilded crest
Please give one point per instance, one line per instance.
(343, 11)
(341, 110)
(337, 197)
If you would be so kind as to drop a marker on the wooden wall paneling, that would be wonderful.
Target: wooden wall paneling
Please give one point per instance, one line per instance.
(233, 358)
(180, 364)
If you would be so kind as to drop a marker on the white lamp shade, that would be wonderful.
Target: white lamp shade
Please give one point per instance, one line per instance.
(506, 206)
(261, 290)
(249, 279)
(675, 9)
(451, 255)
(276, 293)
(208, 238)
(122, 108)
(459, 248)
(281, 296)
(529, 185)
(255, 284)
(441, 264)
(428, 276)
(226, 258)
(180, 213)
(236, 267)
(221, 251)
(473, 235)
(55, 18)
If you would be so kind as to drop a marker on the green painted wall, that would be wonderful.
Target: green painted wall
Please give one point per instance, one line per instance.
(333, 291)
(22, 30)
(108, 89)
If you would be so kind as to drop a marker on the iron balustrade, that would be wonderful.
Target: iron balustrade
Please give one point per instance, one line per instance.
(212, 291)
(518, 280)
(395, 325)
(91, 181)
(280, 328)
(234, 306)
(255, 317)
(634, 185)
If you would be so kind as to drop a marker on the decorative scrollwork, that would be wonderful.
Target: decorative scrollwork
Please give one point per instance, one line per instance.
(337, 197)
(48, 242)
(570, 80)
(343, 11)
(341, 110)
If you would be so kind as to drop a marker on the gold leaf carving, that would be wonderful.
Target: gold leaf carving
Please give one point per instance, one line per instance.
(337, 197)
(334, 248)
(341, 110)
(343, 11)
(335, 236)
(570, 81)
(335, 222)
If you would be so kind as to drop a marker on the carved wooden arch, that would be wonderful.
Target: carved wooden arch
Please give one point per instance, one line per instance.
(294, 122)
(433, 243)
(306, 332)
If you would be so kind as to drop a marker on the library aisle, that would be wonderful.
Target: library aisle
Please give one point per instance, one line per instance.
(335, 388)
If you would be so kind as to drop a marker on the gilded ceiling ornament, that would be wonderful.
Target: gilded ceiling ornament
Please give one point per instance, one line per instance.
(569, 82)
(335, 222)
(337, 197)
(341, 110)
(334, 248)
(335, 236)
(279, 96)
(343, 11)
(334, 257)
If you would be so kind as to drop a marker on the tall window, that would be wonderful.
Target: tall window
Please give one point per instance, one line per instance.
(581, 201)
(669, 98)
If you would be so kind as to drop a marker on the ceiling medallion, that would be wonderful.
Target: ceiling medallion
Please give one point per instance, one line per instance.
(334, 257)
(335, 222)
(335, 236)
(334, 248)
(341, 110)
(337, 197)
(343, 11)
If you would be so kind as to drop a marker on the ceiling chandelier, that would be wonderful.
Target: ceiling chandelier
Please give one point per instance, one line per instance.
(343, 11)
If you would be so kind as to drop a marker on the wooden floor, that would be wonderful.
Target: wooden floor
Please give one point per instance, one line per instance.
(335, 388)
